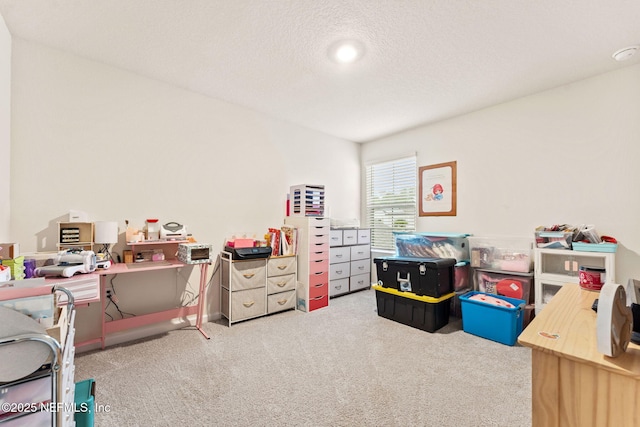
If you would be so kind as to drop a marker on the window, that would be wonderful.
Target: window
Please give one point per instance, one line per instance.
(391, 200)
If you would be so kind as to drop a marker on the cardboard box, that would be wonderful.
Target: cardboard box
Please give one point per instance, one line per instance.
(9, 250)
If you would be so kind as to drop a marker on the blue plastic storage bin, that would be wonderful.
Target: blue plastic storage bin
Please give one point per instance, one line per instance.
(492, 322)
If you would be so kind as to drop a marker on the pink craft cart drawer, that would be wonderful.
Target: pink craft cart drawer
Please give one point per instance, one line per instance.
(319, 266)
(318, 236)
(319, 252)
(318, 290)
(318, 302)
(318, 278)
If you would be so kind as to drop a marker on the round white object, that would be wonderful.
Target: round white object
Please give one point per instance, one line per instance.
(614, 321)
(22, 358)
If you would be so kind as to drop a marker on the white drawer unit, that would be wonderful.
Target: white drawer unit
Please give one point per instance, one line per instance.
(555, 267)
(335, 237)
(364, 236)
(349, 237)
(360, 252)
(256, 287)
(359, 281)
(350, 260)
(338, 286)
(313, 261)
(339, 254)
(360, 266)
(339, 271)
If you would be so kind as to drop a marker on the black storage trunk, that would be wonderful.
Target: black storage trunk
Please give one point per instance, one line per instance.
(432, 277)
(427, 316)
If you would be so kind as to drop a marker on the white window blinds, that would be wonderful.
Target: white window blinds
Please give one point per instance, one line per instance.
(391, 200)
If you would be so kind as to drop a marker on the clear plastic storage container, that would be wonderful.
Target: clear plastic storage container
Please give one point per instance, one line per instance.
(432, 245)
(502, 253)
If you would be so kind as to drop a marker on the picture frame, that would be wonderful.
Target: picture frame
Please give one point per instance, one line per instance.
(438, 189)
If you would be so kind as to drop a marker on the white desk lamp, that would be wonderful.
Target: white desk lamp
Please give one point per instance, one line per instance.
(106, 233)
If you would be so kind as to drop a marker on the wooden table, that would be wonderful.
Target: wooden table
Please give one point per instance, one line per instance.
(572, 383)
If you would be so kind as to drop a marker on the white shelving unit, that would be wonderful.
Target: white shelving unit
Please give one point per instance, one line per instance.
(349, 260)
(556, 267)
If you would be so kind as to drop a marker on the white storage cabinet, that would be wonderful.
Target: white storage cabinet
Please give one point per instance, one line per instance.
(555, 267)
(349, 260)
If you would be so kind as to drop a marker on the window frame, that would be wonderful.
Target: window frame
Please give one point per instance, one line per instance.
(398, 179)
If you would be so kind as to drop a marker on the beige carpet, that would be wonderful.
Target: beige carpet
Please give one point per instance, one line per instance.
(338, 366)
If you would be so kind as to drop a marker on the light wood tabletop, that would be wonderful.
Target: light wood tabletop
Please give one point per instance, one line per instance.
(566, 327)
(572, 384)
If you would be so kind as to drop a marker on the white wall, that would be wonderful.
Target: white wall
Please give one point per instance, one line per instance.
(122, 147)
(5, 130)
(569, 155)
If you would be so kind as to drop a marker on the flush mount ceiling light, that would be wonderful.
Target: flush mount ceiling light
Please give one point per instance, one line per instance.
(346, 51)
(625, 53)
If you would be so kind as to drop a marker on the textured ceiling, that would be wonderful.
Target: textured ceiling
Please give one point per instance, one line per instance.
(425, 60)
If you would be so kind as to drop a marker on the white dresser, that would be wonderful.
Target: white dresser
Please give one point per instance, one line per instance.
(256, 287)
(349, 260)
(313, 261)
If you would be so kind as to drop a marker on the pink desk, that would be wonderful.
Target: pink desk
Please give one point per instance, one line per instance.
(117, 325)
(49, 283)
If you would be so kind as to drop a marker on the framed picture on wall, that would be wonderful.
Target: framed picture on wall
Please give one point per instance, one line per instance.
(437, 189)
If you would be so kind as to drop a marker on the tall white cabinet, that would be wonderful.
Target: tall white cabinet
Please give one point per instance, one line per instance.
(556, 267)
(313, 261)
(349, 260)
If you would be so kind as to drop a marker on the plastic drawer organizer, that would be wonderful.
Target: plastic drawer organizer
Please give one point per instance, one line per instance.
(554, 268)
(554, 239)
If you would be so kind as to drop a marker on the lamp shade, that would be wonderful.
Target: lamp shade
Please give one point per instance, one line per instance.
(106, 232)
